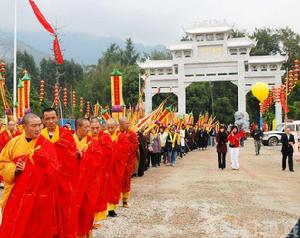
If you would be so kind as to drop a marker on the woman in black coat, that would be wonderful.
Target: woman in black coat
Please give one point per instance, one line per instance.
(222, 147)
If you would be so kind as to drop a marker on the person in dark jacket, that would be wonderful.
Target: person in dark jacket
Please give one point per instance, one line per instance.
(287, 149)
(142, 154)
(202, 138)
(257, 135)
(222, 140)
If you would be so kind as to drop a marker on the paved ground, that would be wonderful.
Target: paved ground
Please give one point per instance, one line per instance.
(195, 199)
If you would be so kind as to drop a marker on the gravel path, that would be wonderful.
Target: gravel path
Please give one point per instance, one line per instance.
(195, 199)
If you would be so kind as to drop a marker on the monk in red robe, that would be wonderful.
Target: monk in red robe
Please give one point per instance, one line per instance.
(13, 130)
(66, 152)
(4, 136)
(90, 164)
(120, 152)
(29, 167)
(105, 142)
(132, 158)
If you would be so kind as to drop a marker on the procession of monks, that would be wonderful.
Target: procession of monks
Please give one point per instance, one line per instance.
(62, 184)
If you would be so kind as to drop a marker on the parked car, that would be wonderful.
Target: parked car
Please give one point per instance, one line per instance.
(272, 138)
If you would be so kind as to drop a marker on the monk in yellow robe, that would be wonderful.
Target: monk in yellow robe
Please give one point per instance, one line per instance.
(29, 167)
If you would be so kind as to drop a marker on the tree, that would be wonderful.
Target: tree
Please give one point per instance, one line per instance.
(224, 110)
(157, 55)
(129, 55)
(131, 85)
(267, 42)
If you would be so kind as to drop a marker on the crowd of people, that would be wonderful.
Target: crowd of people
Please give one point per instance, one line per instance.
(63, 183)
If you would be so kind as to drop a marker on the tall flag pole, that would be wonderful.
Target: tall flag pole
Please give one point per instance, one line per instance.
(15, 58)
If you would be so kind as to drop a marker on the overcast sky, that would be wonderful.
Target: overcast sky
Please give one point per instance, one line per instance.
(150, 22)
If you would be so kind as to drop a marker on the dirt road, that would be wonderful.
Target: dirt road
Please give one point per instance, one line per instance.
(196, 199)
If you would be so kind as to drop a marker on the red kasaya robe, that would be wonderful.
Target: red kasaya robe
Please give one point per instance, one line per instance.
(90, 164)
(4, 138)
(66, 152)
(105, 143)
(121, 149)
(30, 209)
(134, 145)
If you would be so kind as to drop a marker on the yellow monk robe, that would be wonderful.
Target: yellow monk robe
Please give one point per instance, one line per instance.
(55, 136)
(81, 144)
(17, 147)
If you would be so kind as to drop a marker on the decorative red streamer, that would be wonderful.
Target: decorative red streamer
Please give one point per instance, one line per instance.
(56, 48)
(57, 52)
(41, 17)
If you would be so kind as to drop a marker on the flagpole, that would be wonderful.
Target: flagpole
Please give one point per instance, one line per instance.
(15, 58)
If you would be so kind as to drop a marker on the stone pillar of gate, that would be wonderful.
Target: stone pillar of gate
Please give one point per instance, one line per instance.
(181, 95)
(148, 97)
(278, 108)
(241, 87)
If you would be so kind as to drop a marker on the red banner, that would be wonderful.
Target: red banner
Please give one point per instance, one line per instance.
(117, 90)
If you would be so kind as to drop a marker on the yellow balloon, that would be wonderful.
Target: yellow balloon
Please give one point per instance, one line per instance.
(260, 91)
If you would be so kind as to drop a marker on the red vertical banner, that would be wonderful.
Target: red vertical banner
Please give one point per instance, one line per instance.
(21, 104)
(117, 100)
(26, 83)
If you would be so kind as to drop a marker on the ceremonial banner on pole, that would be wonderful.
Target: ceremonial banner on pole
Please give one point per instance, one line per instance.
(26, 83)
(116, 88)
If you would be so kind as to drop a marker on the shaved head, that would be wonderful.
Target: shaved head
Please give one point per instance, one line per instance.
(95, 126)
(82, 127)
(28, 117)
(32, 125)
(124, 124)
(94, 119)
(111, 121)
(11, 125)
(111, 125)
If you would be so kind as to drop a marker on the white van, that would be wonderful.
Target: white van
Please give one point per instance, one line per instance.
(272, 138)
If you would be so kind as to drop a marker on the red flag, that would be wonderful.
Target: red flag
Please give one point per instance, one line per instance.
(41, 18)
(57, 52)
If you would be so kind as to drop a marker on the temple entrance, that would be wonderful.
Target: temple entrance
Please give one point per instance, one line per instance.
(206, 97)
(212, 58)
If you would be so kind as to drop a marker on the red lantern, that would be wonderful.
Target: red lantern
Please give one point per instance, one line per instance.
(88, 108)
(81, 104)
(42, 90)
(73, 99)
(65, 97)
(2, 69)
(296, 72)
(56, 95)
